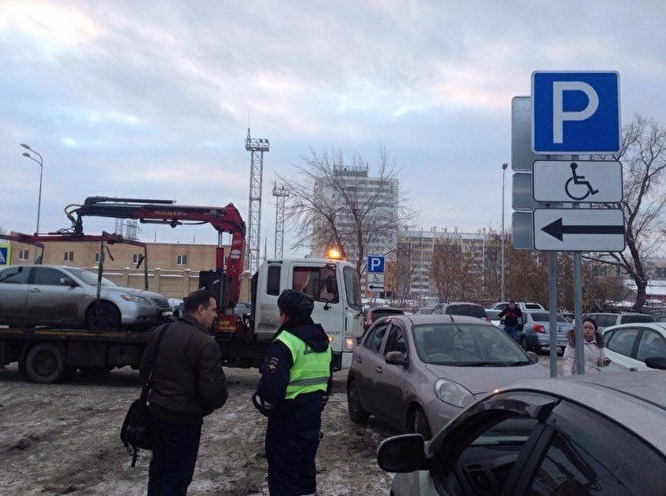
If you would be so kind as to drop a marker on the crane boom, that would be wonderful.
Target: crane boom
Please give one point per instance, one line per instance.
(225, 219)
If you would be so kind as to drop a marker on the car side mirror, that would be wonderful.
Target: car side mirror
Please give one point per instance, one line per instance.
(656, 362)
(404, 453)
(396, 358)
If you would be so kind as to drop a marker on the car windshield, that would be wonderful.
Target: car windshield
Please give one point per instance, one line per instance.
(466, 345)
(88, 277)
(545, 317)
(630, 319)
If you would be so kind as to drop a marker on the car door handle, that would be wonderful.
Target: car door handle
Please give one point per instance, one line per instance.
(378, 368)
(35, 290)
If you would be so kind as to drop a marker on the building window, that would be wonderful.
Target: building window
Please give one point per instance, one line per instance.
(97, 257)
(135, 258)
(181, 260)
(68, 256)
(23, 254)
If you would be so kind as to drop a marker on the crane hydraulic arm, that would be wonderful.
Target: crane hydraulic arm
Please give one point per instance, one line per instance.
(223, 219)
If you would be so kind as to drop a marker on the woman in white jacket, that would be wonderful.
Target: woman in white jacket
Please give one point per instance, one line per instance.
(593, 350)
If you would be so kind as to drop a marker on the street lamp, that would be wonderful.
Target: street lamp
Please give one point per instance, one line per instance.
(502, 298)
(39, 162)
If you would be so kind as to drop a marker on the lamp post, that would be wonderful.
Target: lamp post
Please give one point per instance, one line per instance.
(39, 162)
(502, 296)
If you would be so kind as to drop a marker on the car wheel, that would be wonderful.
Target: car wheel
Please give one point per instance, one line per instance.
(103, 316)
(523, 343)
(419, 423)
(356, 412)
(44, 363)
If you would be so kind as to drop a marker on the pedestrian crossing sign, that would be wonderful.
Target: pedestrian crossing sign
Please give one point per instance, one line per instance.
(5, 252)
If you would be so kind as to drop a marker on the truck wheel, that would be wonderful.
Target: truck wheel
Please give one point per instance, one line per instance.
(44, 363)
(356, 412)
(104, 318)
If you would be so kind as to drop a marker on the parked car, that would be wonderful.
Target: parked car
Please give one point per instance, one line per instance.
(587, 434)
(416, 372)
(424, 310)
(493, 316)
(461, 308)
(604, 320)
(630, 344)
(523, 305)
(36, 295)
(378, 312)
(534, 333)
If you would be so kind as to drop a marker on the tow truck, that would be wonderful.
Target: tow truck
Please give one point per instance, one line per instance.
(46, 354)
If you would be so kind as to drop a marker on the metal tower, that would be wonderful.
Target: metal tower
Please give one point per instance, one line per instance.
(257, 147)
(281, 195)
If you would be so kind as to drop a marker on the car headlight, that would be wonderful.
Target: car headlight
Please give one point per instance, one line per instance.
(453, 393)
(135, 298)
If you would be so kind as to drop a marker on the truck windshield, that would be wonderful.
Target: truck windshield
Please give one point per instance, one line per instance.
(352, 288)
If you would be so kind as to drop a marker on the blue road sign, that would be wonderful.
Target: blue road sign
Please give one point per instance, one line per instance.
(4, 255)
(575, 112)
(375, 264)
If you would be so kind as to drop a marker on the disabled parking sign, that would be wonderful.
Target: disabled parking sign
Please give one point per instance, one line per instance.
(575, 112)
(4, 255)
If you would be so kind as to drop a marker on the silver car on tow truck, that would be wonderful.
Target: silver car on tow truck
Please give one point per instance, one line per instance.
(57, 295)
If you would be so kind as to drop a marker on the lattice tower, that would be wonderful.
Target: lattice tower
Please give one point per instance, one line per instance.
(280, 193)
(257, 147)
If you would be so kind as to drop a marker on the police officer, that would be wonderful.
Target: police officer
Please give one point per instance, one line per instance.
(292, 392)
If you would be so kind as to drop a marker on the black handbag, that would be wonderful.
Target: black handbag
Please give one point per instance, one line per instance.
(135, 432)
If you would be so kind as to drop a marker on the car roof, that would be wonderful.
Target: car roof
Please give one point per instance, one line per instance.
(657, 326)
(428, 318)
(635, 400)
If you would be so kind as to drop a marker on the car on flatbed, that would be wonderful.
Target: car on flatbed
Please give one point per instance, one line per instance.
(57, 295)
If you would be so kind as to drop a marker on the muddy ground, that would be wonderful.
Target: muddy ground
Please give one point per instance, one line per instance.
(64, 439)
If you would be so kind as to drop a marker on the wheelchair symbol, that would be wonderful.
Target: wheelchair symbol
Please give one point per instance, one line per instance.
(577, 193)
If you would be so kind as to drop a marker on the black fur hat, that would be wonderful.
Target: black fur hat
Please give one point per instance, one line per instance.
(294, 304)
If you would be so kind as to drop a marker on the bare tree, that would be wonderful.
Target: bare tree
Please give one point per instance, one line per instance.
(329, 209)
(451, 271)
(643, 158)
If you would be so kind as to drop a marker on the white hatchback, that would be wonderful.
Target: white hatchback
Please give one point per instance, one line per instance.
(630, 344)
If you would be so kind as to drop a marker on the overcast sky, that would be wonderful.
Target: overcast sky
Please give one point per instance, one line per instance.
(153, 99)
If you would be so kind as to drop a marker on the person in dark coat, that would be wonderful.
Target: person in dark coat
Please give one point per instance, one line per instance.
(511, 314)
(295, 383)
(188, 384)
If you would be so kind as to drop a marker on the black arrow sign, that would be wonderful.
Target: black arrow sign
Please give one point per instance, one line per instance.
(556, 229)
(372, 286)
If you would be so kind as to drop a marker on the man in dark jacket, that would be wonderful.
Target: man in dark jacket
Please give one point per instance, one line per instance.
(188, 384)
(511, 315)
(293, 390)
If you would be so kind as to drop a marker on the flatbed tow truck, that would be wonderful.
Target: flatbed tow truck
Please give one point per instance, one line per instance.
(46, 355)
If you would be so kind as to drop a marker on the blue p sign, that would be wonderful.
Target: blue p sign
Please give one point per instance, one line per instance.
(575, 112)
(375, 264)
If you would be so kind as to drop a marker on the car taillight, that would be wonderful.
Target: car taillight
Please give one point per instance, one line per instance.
(538, 328)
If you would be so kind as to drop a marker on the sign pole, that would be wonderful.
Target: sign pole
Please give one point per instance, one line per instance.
(578, 305)
(552, 305)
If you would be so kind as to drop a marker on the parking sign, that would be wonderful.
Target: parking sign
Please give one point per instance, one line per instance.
(575, 112)
(375, 264)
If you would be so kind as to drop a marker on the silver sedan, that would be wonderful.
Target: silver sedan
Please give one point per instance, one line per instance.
(33, 295)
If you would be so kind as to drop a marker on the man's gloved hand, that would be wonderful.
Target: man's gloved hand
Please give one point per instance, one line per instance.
(324, 400)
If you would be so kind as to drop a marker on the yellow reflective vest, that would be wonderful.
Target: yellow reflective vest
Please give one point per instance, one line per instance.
(310, 371)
